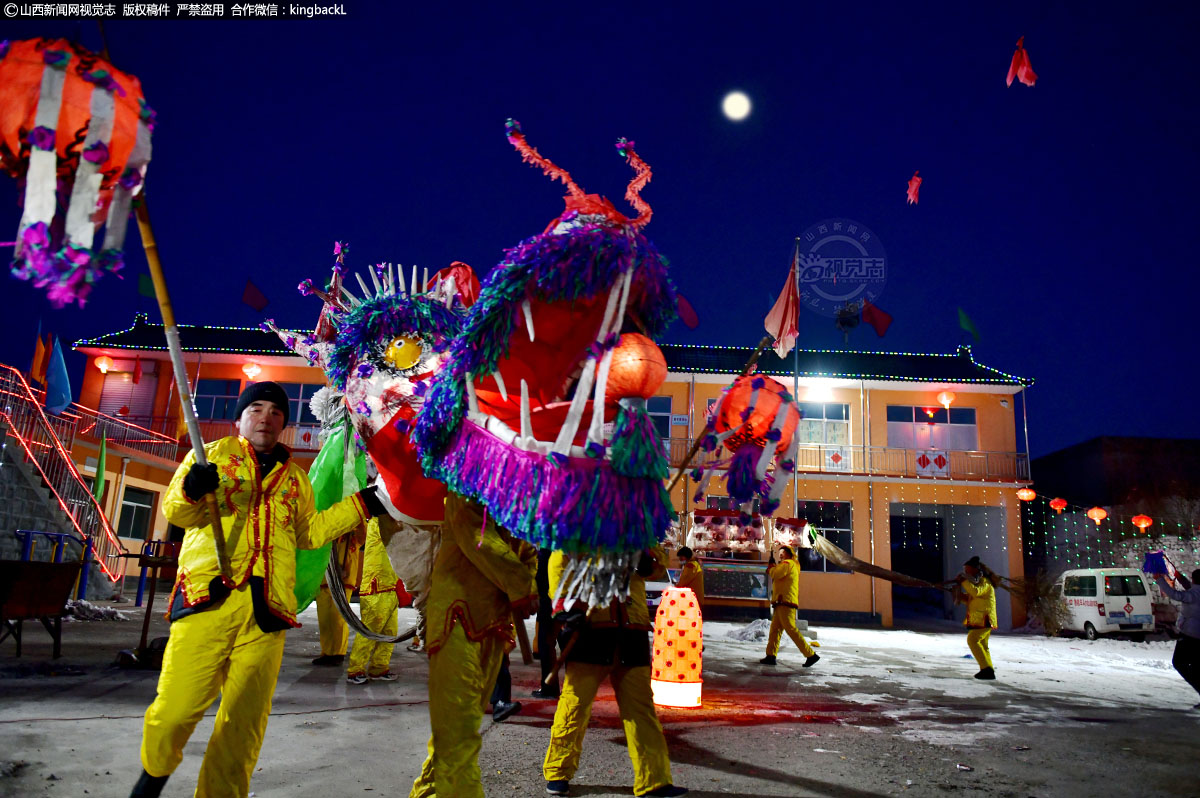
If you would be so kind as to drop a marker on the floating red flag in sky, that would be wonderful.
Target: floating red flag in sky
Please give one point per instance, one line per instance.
(687, 314)
(914, 188)
(254, 297)
(1020, 67)
(876, 317)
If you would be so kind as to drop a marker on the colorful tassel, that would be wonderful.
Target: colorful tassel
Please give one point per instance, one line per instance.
(742, 481)
(637, 450)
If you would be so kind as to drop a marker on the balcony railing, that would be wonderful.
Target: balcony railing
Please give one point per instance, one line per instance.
(892, 462)
(123, 432)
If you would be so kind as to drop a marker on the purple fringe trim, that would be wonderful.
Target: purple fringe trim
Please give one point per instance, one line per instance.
(742, 481)
(579, 505)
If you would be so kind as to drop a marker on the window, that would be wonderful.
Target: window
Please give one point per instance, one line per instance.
(659, 410)
(726, 503)
(833, 520)
(217, 399)
(1124, 586)
(137, 508)
(299, 395)
(932, 428)
(824, 422)
(1080, 586)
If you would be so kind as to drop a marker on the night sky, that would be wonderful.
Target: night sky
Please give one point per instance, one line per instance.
(1061, 217)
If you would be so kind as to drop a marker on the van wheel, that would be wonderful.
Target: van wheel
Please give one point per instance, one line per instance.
(1089, 631)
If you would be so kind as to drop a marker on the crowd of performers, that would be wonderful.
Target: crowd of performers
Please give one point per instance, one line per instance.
(487, 446)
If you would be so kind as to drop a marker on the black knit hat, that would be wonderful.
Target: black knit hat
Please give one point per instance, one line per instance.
(263, 392)
(973, 562)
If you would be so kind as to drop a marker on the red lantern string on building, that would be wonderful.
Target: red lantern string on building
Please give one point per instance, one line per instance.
(678, 660)
(1058, 505)
(1142, 522)
(1097, 514)
(1026, 494)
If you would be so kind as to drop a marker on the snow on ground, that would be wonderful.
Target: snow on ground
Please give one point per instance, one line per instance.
(923, 681)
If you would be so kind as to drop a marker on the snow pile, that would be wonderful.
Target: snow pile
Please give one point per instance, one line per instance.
(87, 611)
(752, 632)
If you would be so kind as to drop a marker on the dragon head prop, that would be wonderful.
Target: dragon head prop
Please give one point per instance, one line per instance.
(382, 350)
(539, 413)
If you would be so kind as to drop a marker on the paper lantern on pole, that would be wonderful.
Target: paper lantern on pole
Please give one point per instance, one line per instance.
(756, 419)
(678, 650)
(76, 130)
(1097, 514)
(1142, 522)
(946, 398)
(104, 363)
(1026, 494)
(1058, 505)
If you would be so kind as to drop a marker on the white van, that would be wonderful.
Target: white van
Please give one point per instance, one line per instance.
(1106, 601)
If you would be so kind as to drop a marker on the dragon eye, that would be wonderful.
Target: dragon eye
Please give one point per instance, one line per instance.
(404, 352)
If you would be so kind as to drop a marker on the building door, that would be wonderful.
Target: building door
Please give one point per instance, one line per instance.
(917, 551)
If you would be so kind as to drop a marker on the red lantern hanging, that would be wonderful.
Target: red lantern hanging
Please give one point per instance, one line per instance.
(756, 419)
(70, 121)
(946, 398)
(1026, 494)
(1058, 505)
(678, 661)
(638, 368)
(1142, 522)
(1097, 514)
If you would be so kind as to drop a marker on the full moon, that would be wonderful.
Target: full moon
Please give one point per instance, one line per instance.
(736, 106)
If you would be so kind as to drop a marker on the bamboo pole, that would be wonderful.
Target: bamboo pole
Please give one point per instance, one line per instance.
(181, 377)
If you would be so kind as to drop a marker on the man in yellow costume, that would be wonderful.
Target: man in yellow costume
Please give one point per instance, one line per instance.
(227, 636)
(335, 635)
(482, 578)
(614, 643)
(977, 582)
(379, 596)
(691, 575)
(785, 593)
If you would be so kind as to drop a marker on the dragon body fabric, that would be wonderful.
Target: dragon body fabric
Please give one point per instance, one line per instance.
(524, 418)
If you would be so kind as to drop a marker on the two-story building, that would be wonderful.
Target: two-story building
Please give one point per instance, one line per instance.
(888, 471)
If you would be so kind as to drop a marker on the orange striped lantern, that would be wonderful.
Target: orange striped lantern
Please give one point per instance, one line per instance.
(1097, 514)
(1142, 522)
(1058, 505)
(1026, 494)
(678, 650)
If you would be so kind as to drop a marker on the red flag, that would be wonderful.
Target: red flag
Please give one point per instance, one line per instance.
(687, 314)
(41, 356)
(254, 297)
(137, 370)
(876, 318)
(914, 188)
(1021, 68)
(784, 319)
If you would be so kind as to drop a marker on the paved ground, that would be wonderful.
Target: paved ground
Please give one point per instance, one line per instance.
(883, 713)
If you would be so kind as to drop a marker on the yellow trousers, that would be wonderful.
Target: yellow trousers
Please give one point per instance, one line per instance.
(462, 674)
(370, 656)
(977, 641)
(334, 632)
(643, 733)
(219, 651)
(783, 619)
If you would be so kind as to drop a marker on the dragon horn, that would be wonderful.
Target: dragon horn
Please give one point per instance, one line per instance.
(641, 176)
(530, 155)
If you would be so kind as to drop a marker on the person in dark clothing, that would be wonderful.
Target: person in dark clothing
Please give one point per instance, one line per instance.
(1187, 648)
(546, 638)
(503, 707)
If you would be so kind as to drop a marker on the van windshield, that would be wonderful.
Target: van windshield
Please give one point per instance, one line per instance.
(1124, 586)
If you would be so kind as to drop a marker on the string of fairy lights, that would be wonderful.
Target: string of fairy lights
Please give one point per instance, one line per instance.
(1080, 537)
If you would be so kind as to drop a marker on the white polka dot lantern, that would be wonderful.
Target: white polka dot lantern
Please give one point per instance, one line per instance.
(678, 650)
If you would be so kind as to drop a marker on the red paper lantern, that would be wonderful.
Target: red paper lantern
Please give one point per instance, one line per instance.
(104, 363)
(1097, 514)
(75, 126)
(638, 368)
(1142, 521)
(678, 660)
(946, 398)
(1026, 494)
(1058, 505)
(753, 421)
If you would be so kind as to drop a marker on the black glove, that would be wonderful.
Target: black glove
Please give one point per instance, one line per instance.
(771, 561)
(646, 564)
(373, 504)
(201, 480)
